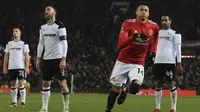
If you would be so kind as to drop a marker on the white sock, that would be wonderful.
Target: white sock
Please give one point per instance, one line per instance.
(173, 95)
(45, 97)
(23, 94)
(158, 97)
(14, 94)
(65, 98)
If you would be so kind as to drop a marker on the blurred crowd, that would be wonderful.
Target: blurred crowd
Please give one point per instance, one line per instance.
(93, 28)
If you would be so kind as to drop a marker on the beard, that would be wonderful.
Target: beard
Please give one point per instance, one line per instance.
(14, 37)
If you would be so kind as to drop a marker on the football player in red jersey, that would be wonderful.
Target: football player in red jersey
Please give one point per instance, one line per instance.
(134, 39)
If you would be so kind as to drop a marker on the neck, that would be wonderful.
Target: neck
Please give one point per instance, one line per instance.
(142, 21)
(166, 28)
(51, 21)
(18, 38)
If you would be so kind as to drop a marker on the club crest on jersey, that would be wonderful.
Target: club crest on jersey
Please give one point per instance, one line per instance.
(150, 32)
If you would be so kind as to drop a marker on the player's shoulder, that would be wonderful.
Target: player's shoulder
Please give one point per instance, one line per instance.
(128, 22)
(60, 24)
(23, 41)
(152, 23)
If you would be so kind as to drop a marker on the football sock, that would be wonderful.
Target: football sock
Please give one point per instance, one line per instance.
(173, 94)
(158, 97)
(65, 99)
(45, 97)
(18, 94)
(111, 99)
(23, 94)
(14, 94)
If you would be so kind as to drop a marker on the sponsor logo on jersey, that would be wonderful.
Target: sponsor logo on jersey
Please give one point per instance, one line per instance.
(50, 35)
(15, 48)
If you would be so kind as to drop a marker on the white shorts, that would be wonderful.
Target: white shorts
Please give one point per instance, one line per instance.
(123, 71)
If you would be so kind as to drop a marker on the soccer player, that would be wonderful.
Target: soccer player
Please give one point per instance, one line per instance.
(168, 51)
(16, 64)
(53, 40)
(134, 39)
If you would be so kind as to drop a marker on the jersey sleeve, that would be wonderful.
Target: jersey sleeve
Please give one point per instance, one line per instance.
(7, 49)
(62, 33)
(26, 47)
(40, 46)
(125, 37)
(154, 41)
(177, 41)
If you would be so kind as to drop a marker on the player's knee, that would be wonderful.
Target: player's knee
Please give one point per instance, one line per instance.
(173, 84)
(46, 84)
(116, 89)
(158, 84)
(134, 87)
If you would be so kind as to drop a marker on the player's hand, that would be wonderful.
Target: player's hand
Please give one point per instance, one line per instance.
(179, 68)
(140, 37)
(62, 64)
(27, 71)
(5, 70)
(38, 64)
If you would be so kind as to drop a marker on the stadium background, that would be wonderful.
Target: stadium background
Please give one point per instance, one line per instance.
(93, 28)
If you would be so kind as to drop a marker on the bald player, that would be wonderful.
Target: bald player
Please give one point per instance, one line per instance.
(53, 42)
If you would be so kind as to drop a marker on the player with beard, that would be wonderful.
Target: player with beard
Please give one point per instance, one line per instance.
(134, 39)
(168, 57)
(53, 41)
(16, 64)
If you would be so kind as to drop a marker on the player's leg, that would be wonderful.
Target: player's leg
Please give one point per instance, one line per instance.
(13, 77)
(18, 91)
(22, 89)
(159, 73)
(60, 74)
(173, 95)
(65, 94)
(46, 84)
(136, 76)
(117, 79)
(114, 92)
(170, 77)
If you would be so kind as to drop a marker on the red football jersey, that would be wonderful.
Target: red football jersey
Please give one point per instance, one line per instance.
(134, 50)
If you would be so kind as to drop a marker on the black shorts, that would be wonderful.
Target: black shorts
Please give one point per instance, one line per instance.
(15, 74)
(51, 69)
(164, 72)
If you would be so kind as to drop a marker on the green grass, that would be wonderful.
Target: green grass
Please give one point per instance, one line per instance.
(97, 103)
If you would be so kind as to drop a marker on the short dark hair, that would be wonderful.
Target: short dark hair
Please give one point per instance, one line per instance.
(16, 27)
(169, 16)
(141, 3)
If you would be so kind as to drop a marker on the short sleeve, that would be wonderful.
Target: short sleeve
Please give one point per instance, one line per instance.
(26, 48)
(7, 49)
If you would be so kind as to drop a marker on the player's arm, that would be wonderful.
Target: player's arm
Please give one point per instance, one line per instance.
(5, 62)
(154, 41)
(178, 51)
(178, 47)
(63, 39)
(125, 38)
(26, 55)
(40, 46)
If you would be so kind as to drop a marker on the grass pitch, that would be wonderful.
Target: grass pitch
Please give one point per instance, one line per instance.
(97, 103)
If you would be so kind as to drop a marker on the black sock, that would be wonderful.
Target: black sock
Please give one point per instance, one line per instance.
(18, 94)
(111, 99)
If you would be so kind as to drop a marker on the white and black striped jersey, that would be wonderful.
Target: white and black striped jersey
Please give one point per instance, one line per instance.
(16, 50)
